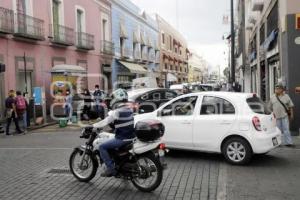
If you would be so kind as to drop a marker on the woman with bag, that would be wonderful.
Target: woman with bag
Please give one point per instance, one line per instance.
(11, 112)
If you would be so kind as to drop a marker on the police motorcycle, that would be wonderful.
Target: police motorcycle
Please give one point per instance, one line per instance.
(141, 161)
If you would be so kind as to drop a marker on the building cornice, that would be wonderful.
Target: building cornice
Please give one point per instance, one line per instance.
(136, 16)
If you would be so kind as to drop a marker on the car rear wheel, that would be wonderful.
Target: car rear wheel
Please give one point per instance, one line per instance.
(237, 151)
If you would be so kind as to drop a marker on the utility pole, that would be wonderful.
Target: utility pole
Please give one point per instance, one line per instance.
(25, 71)
(232, 77)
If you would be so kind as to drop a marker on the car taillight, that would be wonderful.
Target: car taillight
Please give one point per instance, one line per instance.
(162, 146)
(256, 123)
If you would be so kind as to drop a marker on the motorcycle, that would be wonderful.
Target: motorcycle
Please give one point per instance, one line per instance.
(141, 162)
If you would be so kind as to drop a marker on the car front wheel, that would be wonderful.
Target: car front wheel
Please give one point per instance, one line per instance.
(237, 151)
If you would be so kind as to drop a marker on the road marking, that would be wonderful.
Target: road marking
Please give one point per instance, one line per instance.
(222, 182)
(35, 148)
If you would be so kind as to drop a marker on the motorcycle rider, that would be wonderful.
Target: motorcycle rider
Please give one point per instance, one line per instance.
(123, 122)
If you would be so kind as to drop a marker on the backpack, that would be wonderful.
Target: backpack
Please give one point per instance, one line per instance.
(20, 103)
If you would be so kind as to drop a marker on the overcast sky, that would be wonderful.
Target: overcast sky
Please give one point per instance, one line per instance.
(199, 21)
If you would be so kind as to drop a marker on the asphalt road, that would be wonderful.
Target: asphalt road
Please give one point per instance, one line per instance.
(35, 166)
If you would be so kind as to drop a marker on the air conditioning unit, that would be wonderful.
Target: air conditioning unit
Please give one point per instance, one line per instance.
(257, 5)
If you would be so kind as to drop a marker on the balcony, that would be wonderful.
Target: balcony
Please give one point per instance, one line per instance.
(6, 21)
(152, 57)
(107, 47)
(126, 53)
(62, 35)
(137, 55)
(29, 27)
(144, 56)
(157, 58)
(257, 5)
(84, 41)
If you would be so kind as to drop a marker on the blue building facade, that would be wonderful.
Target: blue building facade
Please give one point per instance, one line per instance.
(136, 39)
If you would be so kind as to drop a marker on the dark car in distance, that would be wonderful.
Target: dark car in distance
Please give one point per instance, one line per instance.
(146, 100)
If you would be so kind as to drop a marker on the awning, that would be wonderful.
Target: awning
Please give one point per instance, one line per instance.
(270, 39)
(143, 39)
(171, 78)
(68, 69)
(123, 31)
(134, 68)
(136, 37)
(150, 43)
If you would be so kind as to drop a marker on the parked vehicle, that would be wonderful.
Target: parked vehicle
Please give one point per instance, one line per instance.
(149, 99)
(141, 161)
(237, 125)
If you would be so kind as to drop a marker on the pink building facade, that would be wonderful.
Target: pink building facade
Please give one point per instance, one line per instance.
(49, 33)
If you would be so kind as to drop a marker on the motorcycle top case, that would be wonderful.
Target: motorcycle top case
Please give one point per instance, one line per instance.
(149, 130)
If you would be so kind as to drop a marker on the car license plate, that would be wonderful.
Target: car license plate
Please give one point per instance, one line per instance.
(161, 153)
(275, 142)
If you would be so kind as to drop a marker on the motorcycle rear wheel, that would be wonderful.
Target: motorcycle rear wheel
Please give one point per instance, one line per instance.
(149, 166)
(79, 169)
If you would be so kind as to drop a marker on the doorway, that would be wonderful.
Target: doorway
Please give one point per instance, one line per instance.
(21, 84)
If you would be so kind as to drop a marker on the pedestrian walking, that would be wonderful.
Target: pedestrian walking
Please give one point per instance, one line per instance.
(87, 98)
(1, 129)
(282, 106)
(68, 106)
(21, 108)
(11, 112)
(98, 97)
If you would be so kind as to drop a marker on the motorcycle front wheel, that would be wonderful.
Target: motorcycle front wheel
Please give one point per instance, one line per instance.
(82, 165)
(151, 173)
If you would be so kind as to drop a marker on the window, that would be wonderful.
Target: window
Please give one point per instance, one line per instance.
(272, 20)
(104, 29)
(79, 14)
(258, 106)
(170, 37)
(182, 107)
(216, 106)
(166, 66)
(170, 95)
(163, 38)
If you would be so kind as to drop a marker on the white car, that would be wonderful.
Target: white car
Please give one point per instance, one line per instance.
(237, 125)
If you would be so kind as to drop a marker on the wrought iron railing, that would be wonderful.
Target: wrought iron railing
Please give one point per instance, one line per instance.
(6, 20)
(107, 47)
(126, 52)
(29, 27)
(84, 41)
(151, 57)
(62, 35)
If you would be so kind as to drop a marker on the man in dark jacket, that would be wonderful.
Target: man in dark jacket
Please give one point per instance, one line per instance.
(123, 121)
(11, 112)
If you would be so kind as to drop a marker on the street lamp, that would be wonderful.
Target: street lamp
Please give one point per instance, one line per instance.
(232, 77)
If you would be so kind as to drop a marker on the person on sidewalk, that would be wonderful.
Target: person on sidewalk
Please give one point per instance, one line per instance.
(98, 97)
(21, 108)
(282, 106)
(1, 129)
(68, 106)
(11, 112)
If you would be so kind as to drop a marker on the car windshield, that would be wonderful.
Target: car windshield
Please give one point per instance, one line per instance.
(258, 106)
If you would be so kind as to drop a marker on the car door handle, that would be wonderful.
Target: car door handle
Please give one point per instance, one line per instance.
(226, 122)
(186, 122)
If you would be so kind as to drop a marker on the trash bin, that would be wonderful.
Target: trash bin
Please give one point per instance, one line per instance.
(62, 123)
(74, 119)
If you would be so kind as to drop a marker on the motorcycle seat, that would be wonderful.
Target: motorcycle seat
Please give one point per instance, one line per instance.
(126, 147)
